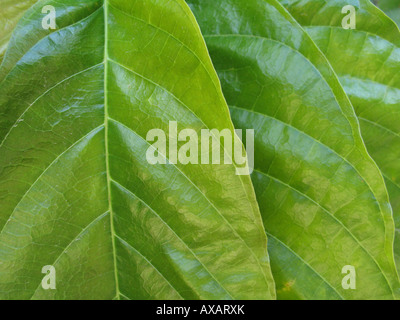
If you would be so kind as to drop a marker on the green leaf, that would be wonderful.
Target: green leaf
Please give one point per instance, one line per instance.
(322, 198)
(11, 12)
(391, 8)
(367, 61)
(76, 191)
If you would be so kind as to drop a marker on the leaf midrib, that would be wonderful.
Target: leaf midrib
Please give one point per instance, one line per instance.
(106, 62)
(107, 158)
(107, 59)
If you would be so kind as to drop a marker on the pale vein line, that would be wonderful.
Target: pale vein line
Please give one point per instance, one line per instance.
(347, 115)
(305, 262)
(126, 244)
(205, 197)
(320, 143)
(334, 218)
(391, 180)
(169, 227)
(106, 145)
(42, 95)
(126, 297)
(380, 126)
(158, 85)
(48, 167)
(46, 37)
(173, 37)
(81, 233)
(173, 96)
(106, 135)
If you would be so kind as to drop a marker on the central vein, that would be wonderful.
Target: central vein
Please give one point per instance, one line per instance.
(106, 144)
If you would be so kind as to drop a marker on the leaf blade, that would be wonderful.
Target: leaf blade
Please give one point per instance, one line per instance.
(276, 81)
(367, 63)
(10, 14)
(78, 188)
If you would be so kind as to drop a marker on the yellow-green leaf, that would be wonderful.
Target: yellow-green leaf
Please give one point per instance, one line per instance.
(322, 197)
(76, 190)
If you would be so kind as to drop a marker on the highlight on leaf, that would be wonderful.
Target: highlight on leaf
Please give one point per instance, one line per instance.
(76, 190)
(124, 127)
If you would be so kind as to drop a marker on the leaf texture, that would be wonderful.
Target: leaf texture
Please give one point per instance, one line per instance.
(391, 8)
(322, 198)
(367, 61)
(76, 191)
(11, 12)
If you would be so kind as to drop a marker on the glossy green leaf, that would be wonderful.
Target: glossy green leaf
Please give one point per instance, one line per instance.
(11, 12)
(76, 191)
(322, 198)
(367, 61)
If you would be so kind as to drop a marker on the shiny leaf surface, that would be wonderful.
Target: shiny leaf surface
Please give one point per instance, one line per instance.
(76, 191)
(322, 198)
(367, 61)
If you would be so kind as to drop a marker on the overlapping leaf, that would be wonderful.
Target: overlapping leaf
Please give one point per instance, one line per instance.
(76, 191)
(322, 198)
(367, 61)
(391, 8)
(11, 11)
